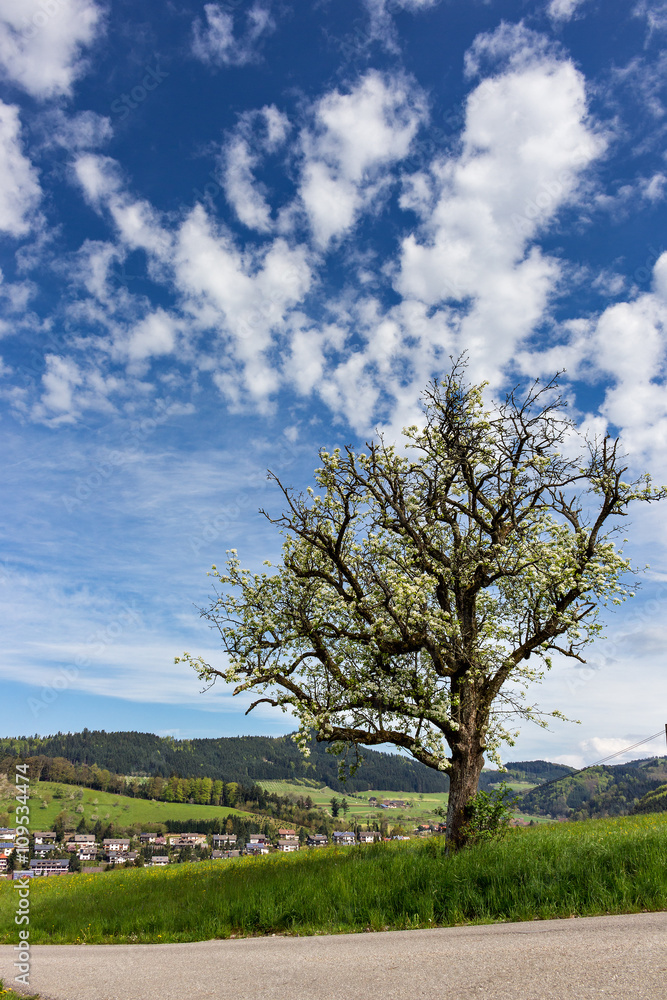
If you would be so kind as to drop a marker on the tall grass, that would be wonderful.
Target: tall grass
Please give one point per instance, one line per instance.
(601, 866)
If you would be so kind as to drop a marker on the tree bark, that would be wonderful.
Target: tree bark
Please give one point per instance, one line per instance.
(466, 766)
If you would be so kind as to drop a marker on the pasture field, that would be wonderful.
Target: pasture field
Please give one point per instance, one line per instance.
(561, 870)
(421, 807)
(50, 798)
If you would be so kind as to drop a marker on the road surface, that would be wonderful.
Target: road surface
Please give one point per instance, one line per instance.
(594, 958)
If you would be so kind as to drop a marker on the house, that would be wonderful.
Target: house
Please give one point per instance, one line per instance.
(147, 838)
(158, 860)
(258, 838)
(43, 836)
(116, 845)
(257, 847)
(87, 852)
(223, 855)
(288, 845)
(84, 838)
(120, 857)
(218, 839)
(187, 839)
(343, 837)
(317, 840)
(49, 866)
(373, 801)
(288, 835)
(369, 836)
(42, 850)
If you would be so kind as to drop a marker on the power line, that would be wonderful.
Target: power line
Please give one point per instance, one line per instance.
(597, 763)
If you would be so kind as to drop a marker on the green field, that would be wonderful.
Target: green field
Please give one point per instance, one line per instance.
(50, 798)
(421, 806)
(561, 870)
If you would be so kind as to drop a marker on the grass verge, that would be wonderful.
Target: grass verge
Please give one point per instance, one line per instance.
(9, 994)
(596, 867)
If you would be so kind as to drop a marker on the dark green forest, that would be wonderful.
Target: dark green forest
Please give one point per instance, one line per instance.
(245, 759)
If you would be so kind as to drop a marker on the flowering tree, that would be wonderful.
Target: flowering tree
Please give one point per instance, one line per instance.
(421, 590)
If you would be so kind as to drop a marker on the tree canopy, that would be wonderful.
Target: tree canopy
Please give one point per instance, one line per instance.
(422, 589)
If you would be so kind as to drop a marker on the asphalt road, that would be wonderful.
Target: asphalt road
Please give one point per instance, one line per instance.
(615, 958)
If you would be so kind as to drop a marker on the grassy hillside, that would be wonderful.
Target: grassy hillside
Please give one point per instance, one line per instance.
(600, 866)
(50, 798)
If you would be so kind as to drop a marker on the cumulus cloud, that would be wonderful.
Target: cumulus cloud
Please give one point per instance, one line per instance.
(69, 388)
(354, 138)
(257, 134)
(525, 145)
(42, 43)
(563, 10)
(20, 192)
(218, 43)
(381, 22)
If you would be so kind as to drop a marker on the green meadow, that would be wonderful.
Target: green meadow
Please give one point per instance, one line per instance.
(49, 799)
(420, 808)
(559, 870)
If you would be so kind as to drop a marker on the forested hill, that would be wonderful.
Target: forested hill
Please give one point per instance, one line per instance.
(606, 790)
(246, 759)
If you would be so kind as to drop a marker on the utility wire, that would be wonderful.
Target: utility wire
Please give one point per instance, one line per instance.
(571, 774)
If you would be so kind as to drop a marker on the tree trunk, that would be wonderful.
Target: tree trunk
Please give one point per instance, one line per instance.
(467, 762)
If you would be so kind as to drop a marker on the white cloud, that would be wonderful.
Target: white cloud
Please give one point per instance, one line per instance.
(19, 188)
(626, 346)
(655, 13)
(241, 190)
(354, 139)
(244, 298)
(653, 188)
(525, 145)
(68, 389)
(41, 43)
(257, 134)
(381, 24)
(218, 44)
(153, 336)
(563, 10)
(83, 130)
(136, 220)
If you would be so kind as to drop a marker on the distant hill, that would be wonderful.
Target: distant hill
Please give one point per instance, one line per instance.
(246, 759)
(654, 801)
(606, 790)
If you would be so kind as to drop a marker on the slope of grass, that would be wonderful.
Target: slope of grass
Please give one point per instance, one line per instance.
(421, 806)
(119, 809)
(596, 867)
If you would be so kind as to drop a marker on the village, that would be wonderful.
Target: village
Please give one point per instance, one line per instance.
(73, 852)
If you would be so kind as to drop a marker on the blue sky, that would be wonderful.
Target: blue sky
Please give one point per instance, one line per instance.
(231, 233)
